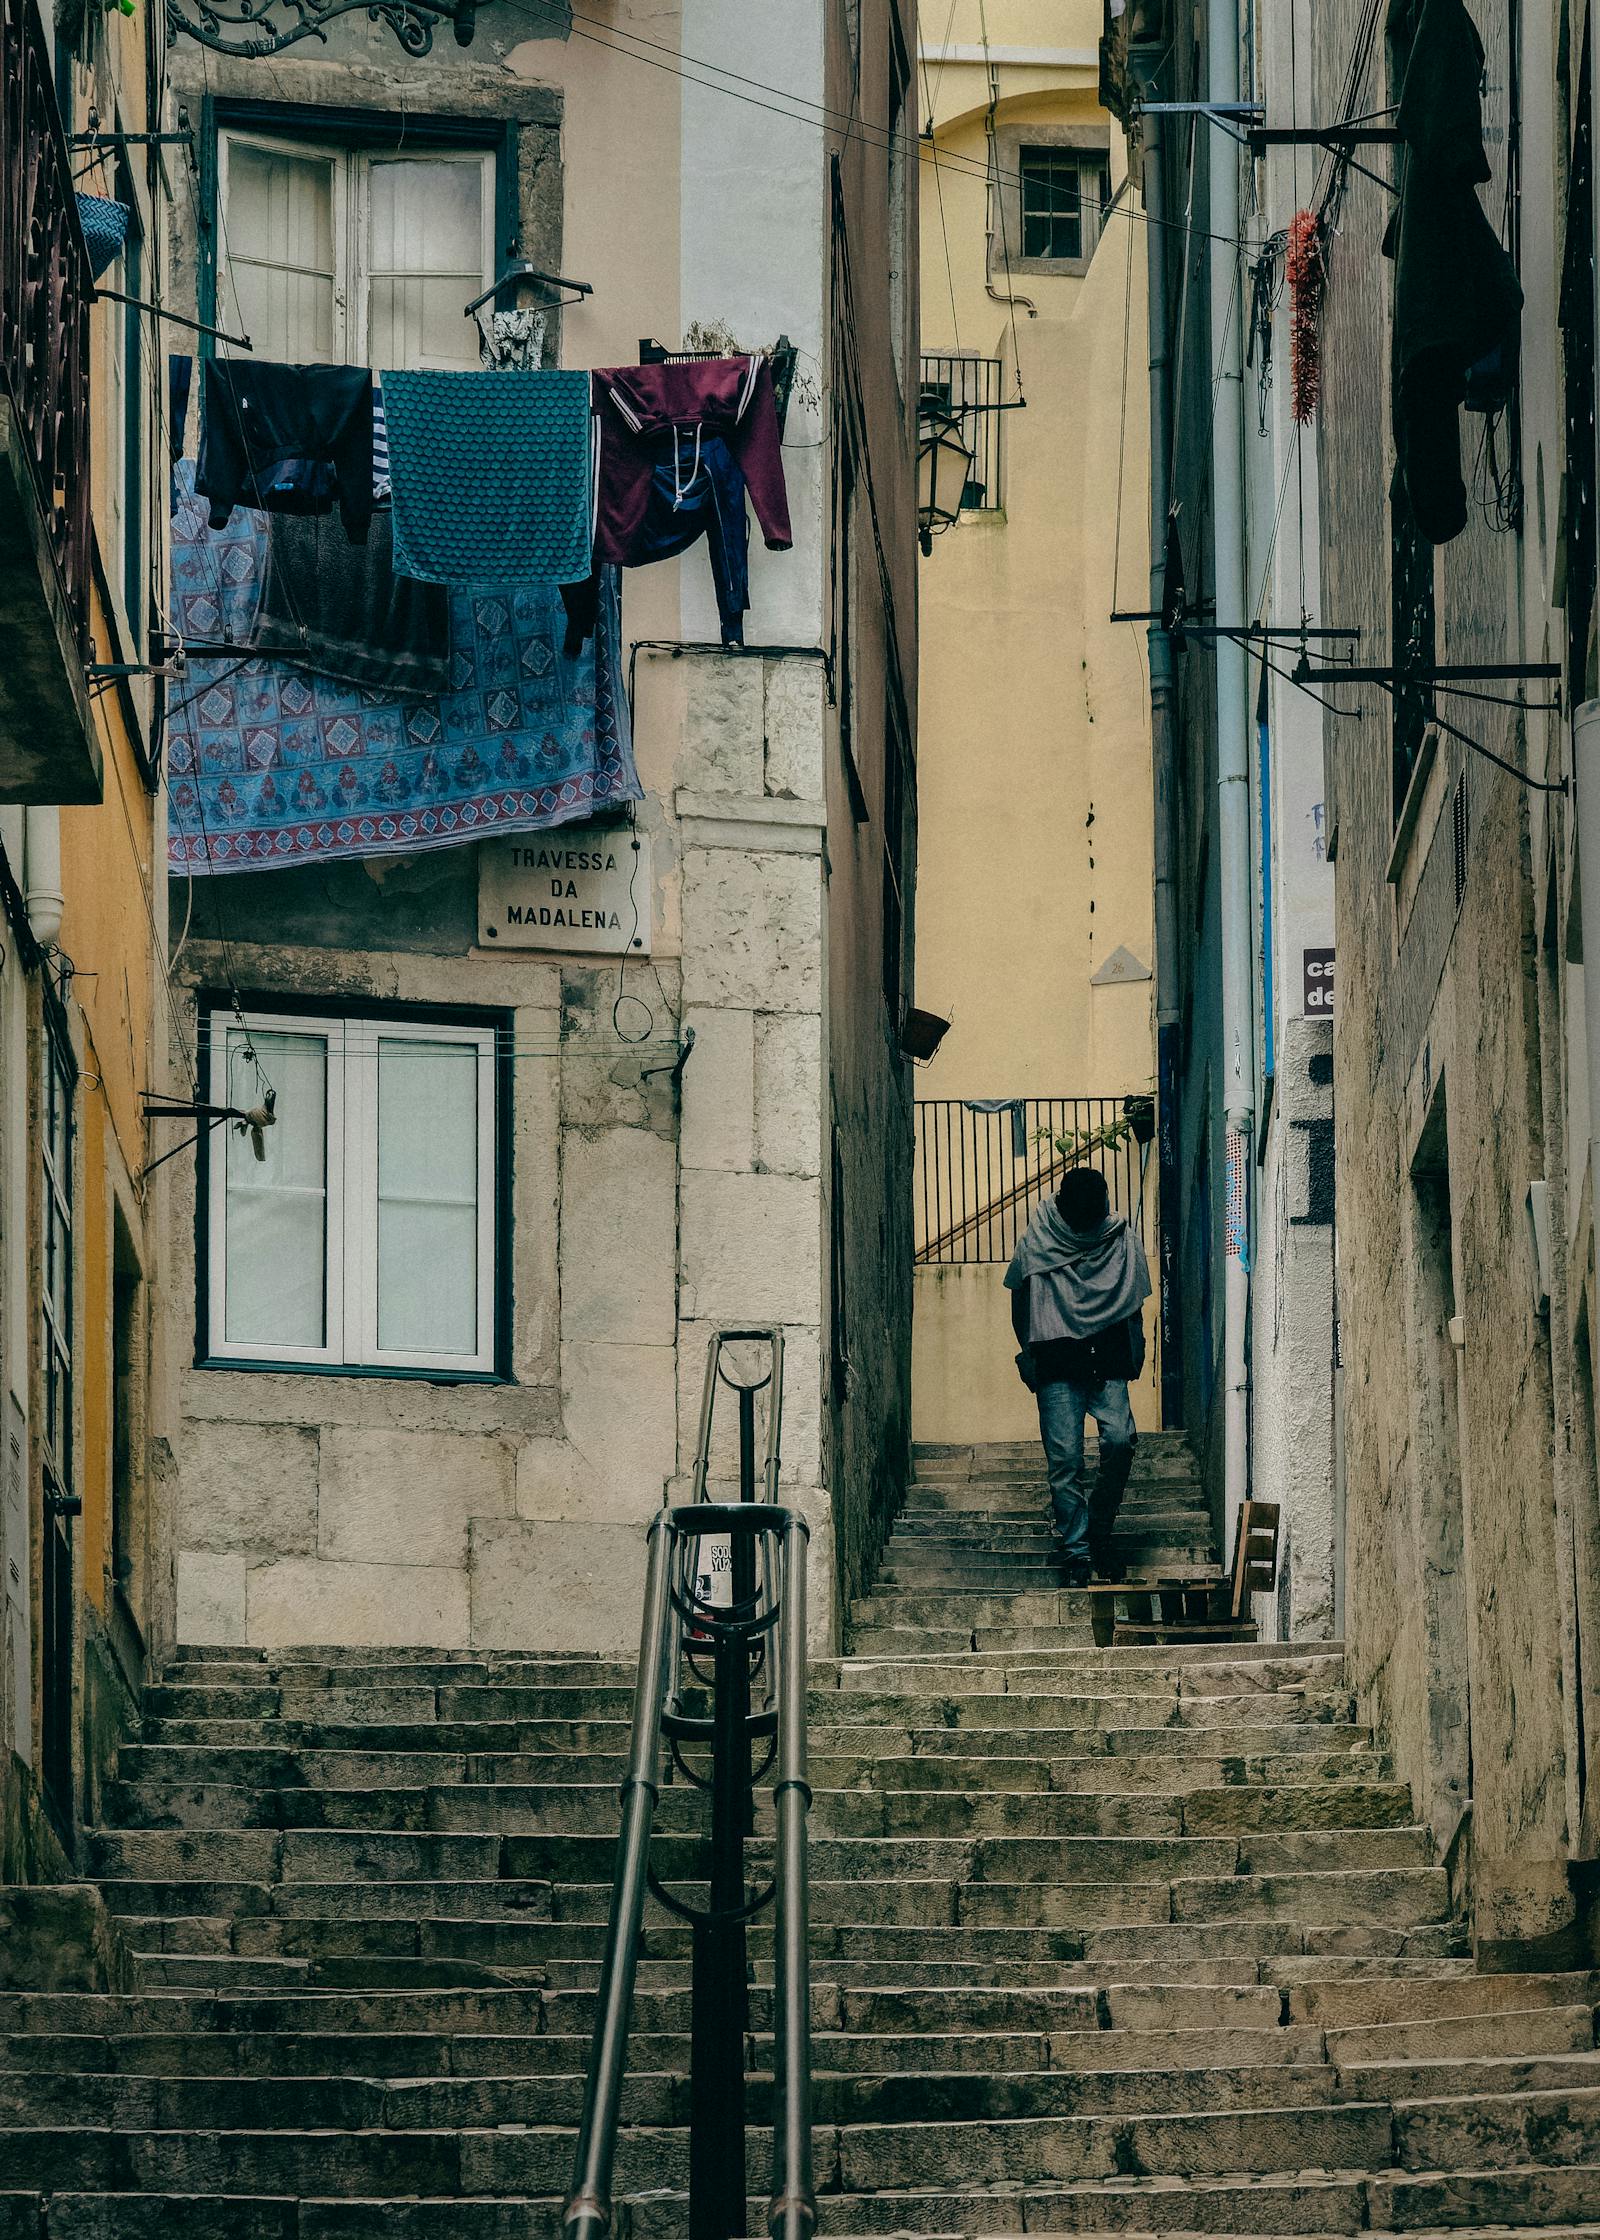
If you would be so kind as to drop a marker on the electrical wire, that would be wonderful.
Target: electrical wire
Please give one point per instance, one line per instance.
(944, 230)
(850, 127)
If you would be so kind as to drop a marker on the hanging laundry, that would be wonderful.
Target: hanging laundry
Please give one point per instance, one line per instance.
(490, 476)
(380, 448)
(105, 230)
(180, 383)
(697, 489)
(340, 609)
(271, 766)
(286, 439)
(513, 341)
(1018, 1109)
(1456, 297)
(640, 409)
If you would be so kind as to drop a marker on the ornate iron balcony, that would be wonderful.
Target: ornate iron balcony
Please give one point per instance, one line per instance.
(264, 27)
(45, 292)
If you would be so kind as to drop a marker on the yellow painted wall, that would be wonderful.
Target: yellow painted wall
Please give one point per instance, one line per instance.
(112, 873)
(1034, 784)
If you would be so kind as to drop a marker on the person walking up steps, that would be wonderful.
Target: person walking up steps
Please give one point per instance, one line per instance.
(1078, 1284)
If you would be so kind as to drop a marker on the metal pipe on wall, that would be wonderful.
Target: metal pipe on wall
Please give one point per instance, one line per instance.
(1163, 737)
(1586, 813)
(1233, 743)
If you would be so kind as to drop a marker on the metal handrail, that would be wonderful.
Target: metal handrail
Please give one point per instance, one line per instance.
(764, 1623)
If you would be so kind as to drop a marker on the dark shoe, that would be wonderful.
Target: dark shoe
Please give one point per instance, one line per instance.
(1108, 1565)
(1078, 1571)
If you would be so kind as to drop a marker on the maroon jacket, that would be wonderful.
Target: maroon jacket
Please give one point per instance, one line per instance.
(635, 405)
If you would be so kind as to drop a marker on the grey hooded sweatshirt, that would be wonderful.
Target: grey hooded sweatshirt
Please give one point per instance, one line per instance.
(1071, 1287)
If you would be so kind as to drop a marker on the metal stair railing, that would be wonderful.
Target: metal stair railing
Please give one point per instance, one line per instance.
(757, 1634)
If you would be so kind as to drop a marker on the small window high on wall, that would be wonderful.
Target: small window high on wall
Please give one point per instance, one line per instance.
(353, 256)
(365, 1236)
(1064, 194)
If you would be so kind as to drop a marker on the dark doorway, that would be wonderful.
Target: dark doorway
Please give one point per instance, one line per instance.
(1436, 1336)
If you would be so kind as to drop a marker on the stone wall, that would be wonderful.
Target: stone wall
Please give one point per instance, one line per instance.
(644, 1214)
(1454, 1619)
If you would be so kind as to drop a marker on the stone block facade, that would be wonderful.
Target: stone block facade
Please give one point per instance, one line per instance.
(1468, 1482)
(644, 1214)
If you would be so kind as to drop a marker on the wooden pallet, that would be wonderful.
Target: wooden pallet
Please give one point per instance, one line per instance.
(1184, 1601)
(1194, 1605)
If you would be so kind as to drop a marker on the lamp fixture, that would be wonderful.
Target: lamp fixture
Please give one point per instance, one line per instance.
(254, 28)
(944, 467)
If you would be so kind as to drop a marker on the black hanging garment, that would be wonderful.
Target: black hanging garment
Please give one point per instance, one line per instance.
(284, 439)
(340, 610)
(1456, 296)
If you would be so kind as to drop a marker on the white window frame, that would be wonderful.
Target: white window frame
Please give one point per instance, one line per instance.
(351, 222)
(350, 1260)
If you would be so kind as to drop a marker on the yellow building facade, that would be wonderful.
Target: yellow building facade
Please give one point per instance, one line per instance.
(1034, 908)
(87, 1591)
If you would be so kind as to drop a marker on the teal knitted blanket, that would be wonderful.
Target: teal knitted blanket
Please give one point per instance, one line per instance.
(490, 476)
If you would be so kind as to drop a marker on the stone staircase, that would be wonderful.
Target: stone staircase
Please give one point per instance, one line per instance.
(972, 1564)
(1127, 1941)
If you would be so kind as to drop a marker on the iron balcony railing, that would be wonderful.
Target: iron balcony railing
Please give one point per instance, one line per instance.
(45, 292)
(716, 1637)
(971, 388)
(982, 1167)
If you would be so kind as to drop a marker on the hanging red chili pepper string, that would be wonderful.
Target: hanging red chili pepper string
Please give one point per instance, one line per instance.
(1307, 274)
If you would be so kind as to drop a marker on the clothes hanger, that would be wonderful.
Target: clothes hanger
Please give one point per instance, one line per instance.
(519, 271)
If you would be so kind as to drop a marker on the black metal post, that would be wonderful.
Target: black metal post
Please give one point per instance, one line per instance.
(719, 2000)
(792, 2214)
(587, 2215)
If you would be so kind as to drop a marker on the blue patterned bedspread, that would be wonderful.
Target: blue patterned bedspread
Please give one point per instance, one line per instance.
(273, 765)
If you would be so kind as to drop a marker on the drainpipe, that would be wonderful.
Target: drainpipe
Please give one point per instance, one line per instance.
(41, 872)
(1586, 813)
(1233, 749)
(1163, 741)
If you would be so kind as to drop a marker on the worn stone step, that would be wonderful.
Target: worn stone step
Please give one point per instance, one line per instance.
(1337, 2004)
(952, 1641)
(592, 1808)
(914, 1570)
(120, 2100)
(265, 1856)
(902, 1696)
(1520, 2195)
(866, 2156)
(1489, 2032)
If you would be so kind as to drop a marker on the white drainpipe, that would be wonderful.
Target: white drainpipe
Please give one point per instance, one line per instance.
(41, 873)
(1233, 747)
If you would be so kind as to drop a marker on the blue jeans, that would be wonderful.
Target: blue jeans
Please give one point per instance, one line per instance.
(1062, 1409)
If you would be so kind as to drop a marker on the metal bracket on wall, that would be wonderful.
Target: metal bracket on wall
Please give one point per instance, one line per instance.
(1458, 678)
(1334, 136)
(1396, 677)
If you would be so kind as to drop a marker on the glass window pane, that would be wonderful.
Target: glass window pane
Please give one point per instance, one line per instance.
(1052, 221)
(425, 261)
(428, 1186)
(277, 1208)
(427, 216)
(419, 322)
(279, 250)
